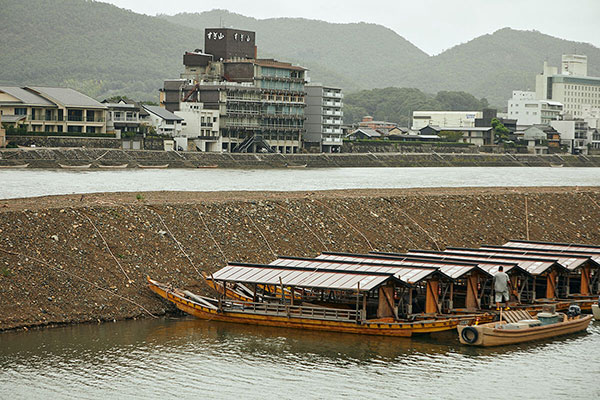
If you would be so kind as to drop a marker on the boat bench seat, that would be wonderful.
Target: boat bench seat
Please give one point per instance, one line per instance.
(515, 316)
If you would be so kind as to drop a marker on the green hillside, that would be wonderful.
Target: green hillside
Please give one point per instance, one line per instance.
(104, 51)
(494, 65)
(352, 56)
(95, 47)
(397, 104)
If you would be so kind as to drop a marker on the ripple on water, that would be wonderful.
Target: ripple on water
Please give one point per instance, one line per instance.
(189, 358)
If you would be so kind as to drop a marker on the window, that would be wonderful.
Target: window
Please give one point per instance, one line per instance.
(20, 111)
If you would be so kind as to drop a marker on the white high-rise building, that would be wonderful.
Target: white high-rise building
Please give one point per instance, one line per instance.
(528, 110)
(572, 87)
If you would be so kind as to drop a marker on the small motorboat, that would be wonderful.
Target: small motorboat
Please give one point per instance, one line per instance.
(519, 327)
(82, 166)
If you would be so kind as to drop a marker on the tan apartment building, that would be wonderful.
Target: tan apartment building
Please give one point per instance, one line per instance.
(51, 109)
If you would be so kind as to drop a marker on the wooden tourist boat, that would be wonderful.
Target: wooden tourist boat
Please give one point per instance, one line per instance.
(14, 166)
(159, 166)
(208, 166)
(119, 166)
(300, 317)
(83, 166)
(521, 327)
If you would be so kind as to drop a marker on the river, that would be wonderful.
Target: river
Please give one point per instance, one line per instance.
(188, 358)
(30, 183)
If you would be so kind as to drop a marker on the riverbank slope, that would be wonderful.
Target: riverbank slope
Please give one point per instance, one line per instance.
(69, 259)
(111, 158)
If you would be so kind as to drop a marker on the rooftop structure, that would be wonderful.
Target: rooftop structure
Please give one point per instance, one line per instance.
(451, 119)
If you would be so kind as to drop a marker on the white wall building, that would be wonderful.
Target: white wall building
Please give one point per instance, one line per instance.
(575, 134)
(527, 110)
(572, 87)
(165, 122)
(450, 119)
(200, 128)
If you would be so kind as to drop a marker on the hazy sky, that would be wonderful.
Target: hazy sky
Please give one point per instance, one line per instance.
(432, 25)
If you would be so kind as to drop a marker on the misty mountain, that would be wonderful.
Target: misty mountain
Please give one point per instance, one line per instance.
(104, 50)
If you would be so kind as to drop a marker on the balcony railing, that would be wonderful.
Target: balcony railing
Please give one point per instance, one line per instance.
(70, 118)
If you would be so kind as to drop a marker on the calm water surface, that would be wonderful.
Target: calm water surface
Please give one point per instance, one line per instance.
(189, 358)
(29, 183)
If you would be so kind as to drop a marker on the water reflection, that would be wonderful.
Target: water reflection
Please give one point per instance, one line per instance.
(183, 357)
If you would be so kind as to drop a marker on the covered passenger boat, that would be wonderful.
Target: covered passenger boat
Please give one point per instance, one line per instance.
(324, 298)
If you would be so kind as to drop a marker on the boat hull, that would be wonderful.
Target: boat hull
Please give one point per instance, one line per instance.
(379, 328)
(489, 335)
(596, 311)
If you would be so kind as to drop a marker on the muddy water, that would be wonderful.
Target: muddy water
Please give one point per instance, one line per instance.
(188, 358)
(29, 183)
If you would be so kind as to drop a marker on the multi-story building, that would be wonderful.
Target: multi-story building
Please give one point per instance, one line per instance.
(572, 87)
(369, 122)
(529, 111)
(575, 134)
(52, 109)
(323, 118)
(261, 101)
(450, 119)
(480, 136)
(199, 129)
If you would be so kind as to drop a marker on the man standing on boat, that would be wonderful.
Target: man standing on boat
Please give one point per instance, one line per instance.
(501, 286)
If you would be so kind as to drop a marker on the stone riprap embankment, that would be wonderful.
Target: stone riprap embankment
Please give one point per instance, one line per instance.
(69, 259)
(98, 158)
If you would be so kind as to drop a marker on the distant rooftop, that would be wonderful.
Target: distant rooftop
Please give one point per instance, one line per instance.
(162, 113)
(25, 97)
(67, 97)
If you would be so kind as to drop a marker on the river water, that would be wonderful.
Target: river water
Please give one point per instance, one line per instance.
(188, 358)
(29, 183)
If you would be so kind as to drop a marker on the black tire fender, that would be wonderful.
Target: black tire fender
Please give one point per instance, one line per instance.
(469, 334)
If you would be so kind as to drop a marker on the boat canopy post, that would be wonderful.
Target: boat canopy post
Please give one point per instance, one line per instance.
(386, 307)
(551, 284)
(357, 299)
(472, 301)
(432, 299)
(585, 280)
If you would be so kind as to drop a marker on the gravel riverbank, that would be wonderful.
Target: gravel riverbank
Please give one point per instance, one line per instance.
(70, 259)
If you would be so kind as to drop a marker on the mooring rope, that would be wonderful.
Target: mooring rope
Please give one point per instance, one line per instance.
(129, 280)
(414, 222)
(261, 234)
(80, 278)
(211, 235)
(348, 222)
(305, 224)
(175, 240)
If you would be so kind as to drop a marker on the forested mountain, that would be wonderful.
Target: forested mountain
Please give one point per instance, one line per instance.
(353, 56)
(397, 104)
(104, 50)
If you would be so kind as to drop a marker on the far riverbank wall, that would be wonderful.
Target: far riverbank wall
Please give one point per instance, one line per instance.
(69, 259)
(98, 158)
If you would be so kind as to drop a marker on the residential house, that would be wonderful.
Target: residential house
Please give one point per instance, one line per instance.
(575, 134)
(479, 136)
(382, 126)
(536, 140)
(164, 122)
(122, 117)
(365, 134)
(52, 109)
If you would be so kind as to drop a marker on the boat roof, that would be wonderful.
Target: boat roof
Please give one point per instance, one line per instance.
(451, 270)
(303, 277)
(408, 275)
(535, 266)
(490, 266)
(562, 247)
(568, 260)
(570, 263)
(595, 257)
